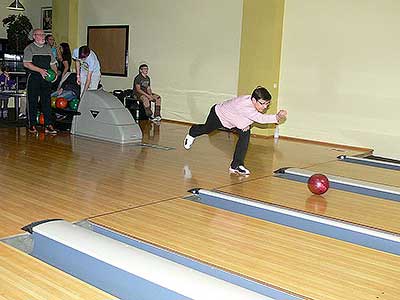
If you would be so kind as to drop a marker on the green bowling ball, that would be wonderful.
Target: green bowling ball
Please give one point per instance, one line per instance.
(73, 104)
(51, 75)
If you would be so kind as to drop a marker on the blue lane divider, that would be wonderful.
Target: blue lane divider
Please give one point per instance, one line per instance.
(304, 224)
(131, 269)
(199, 266)
(117, 282)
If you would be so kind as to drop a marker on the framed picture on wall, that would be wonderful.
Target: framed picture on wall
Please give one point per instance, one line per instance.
(47, 19)
(110, 43)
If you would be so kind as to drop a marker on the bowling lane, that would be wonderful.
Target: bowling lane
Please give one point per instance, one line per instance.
(360, 172)
(76, 176)
(292, 260)
(338, 204)
(23, 277)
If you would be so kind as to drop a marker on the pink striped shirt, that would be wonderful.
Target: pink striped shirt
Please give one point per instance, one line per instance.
(240, 112)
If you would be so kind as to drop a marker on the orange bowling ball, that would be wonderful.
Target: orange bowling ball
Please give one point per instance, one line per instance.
(61, 103)
(41, 119)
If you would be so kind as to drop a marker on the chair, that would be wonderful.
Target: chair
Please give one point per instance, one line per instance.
(129, 99)
(134, 105)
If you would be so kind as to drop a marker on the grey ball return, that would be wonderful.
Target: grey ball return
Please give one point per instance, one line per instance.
(102, 116)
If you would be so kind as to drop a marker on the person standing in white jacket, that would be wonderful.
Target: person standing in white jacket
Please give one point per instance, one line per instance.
(88, 72)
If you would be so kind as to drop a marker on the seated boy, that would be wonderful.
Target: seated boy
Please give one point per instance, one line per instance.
(141, 86)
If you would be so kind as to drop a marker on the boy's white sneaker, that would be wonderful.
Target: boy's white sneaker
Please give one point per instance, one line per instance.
(157, 119)
(240, 170)
(187, 143)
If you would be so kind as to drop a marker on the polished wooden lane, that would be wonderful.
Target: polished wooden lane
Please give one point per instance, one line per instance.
(303, 263)
(342, 205)
(24, 278)
(361, 172)
(75, 178)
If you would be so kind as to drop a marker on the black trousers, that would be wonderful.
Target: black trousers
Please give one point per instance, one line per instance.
(38, 87)
(213, 123)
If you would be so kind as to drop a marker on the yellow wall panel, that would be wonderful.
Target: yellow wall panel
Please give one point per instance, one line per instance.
(261, 49)
(65, 21)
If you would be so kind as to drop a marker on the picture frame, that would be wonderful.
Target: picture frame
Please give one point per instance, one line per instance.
(113, 55)
(46, 19)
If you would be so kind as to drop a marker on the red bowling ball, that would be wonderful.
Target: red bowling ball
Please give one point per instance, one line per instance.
(318, 184)
(61, 103)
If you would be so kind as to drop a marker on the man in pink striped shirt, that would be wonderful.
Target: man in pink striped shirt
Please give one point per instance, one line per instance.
(238, 113)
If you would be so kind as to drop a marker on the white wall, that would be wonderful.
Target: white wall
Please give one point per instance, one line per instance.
(32, 11)
(4, 12)
(340, 72)
(191, 46)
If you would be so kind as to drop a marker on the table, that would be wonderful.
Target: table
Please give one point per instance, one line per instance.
(16, 94)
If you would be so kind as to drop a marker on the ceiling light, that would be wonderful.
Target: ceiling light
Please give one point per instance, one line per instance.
(16, 5)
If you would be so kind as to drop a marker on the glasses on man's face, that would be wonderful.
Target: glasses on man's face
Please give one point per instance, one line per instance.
(264, 103)
(39, 34)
